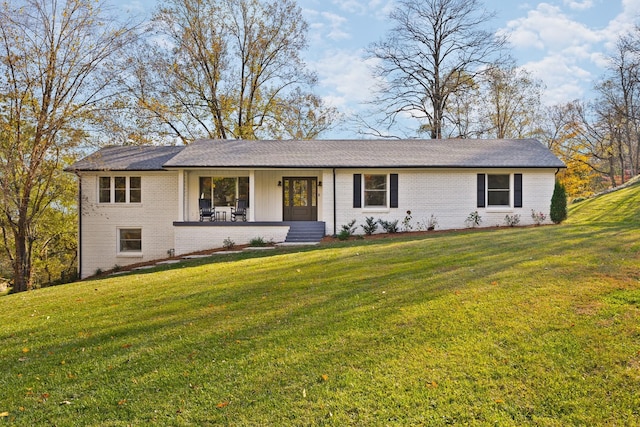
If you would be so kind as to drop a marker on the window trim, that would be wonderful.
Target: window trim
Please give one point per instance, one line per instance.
(128, 253)
(112, 190)
(509, 191)
(364, 191)
(515, 192)
(212, 197)
(391, 197)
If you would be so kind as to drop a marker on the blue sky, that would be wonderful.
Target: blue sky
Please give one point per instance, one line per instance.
(564, 43)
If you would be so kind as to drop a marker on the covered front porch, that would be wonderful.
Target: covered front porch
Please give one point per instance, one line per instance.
(270, 195)
(275, 201)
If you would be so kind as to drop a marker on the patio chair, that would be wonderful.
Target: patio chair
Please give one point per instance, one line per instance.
(206, 210)
(240, 210)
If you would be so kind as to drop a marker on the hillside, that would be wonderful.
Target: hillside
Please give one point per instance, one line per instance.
(514, 326)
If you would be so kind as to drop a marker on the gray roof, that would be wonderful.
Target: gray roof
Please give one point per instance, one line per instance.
(411, 153)
(127, 158)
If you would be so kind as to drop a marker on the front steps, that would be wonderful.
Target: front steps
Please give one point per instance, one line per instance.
(305, 231)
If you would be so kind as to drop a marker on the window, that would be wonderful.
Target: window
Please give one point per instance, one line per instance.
(135, 189)
(375, 190)
(498, 192)
(378, 192)
(105, 189)
(120, 189)
(224, 191)
(130, 240)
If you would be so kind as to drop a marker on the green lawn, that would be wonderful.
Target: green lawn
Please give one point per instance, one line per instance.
(531, 326)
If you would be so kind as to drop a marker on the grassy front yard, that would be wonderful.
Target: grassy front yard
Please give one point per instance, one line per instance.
(515, 326)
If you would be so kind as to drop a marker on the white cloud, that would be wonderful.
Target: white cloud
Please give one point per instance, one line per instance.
(351, 6)
(336, 22)
(547, 28)
(579, 4)
(345, 78)
(563, 77)
(325, 26)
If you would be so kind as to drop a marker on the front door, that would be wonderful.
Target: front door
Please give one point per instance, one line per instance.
(300, 199)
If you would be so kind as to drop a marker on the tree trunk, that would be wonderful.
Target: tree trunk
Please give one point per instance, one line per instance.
(22, 261)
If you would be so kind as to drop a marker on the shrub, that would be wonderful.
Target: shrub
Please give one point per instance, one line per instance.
(558, 212)
(350, 227)
(406, 222)
(228, 244)
(538, 218)
(473, 220)
(427, 224)
(257, 242)
(432, 222)
(347, 230)
(389, 226)
(370, 225)
(512, 220)
(343, 234)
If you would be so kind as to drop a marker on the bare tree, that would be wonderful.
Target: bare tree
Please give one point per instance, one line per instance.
(437, 48)
(301, 116)
(620, 102)
(511, 105)
(223, 69)
(55, 69)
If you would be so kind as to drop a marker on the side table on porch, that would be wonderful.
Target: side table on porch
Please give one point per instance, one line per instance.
(221, 215)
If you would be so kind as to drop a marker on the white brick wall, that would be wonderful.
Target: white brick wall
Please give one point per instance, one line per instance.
(100, 221)
(448, 194)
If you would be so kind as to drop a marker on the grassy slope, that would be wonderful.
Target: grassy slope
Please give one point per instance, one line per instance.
(537, 326)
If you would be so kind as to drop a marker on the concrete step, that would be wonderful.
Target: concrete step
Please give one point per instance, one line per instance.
(305, 231)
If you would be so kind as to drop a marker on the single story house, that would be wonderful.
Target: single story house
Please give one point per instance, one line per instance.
(142, 203)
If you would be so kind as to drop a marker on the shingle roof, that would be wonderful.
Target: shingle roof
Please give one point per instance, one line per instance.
(127, 158)
(412, 153)
(464, 153)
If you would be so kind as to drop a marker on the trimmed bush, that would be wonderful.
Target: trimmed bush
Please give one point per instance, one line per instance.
(558, 211)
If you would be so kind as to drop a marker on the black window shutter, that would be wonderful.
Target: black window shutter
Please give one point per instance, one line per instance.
(481, 202)
(517, 190)
(357, 190)
(393, 195)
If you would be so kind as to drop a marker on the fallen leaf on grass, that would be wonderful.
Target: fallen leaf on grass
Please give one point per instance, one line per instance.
(126, 345)
(432, 384)
(4, 414)
(122, 402)
(25, 350)
(222, 404)
(325, 377)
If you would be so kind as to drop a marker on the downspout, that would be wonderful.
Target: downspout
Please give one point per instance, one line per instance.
(79, 224)
(334, 202)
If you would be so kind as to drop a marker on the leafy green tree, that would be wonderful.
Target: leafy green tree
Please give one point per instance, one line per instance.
(558, 211)
(57, 62)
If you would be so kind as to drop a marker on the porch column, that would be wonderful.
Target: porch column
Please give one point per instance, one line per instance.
(180, 195)
(252, 197)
